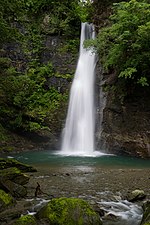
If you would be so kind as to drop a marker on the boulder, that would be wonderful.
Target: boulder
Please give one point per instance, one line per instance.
(69, 211)
(136, 195)
(146, 214)
(5, 200)
(16, 190)
(14, 175)
(7, 163)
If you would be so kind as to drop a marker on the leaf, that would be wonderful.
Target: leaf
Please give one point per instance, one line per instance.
(128, 73)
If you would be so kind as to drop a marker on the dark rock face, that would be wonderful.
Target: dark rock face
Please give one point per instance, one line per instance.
(62, 60)
(126, 127)
(14, 189)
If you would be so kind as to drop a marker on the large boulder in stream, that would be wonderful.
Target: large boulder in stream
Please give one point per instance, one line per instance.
(136, 195)
(69, 211)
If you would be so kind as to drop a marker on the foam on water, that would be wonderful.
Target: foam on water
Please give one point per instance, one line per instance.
(82, 153)
(126, 212)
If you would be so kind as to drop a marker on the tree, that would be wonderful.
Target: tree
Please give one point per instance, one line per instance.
(124, 46)
(10, 11)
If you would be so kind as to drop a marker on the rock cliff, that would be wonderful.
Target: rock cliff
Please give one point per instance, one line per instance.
(125, 127)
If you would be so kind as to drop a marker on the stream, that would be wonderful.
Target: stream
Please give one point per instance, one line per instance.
(104, 181)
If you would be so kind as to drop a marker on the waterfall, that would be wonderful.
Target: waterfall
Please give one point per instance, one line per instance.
(78, 134)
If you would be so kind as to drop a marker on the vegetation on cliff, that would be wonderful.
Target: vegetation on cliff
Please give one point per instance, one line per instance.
(124, 46)
(28, 100)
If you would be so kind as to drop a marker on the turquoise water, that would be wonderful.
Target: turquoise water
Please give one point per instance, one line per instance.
(49, 158)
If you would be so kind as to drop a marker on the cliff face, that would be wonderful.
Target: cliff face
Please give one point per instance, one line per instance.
(125, 127)
(122, 112)
(64, 64)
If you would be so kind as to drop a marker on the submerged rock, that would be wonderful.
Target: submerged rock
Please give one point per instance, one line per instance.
(69, 211)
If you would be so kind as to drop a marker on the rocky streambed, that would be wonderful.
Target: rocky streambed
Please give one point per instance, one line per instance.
(117, 195)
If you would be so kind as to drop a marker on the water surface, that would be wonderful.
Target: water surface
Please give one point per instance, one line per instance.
(49, 158)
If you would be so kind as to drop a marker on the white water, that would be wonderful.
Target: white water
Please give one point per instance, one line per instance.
(121, 213)
(78, 134)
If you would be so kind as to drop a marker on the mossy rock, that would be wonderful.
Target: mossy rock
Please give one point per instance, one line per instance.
(14, 175)
(5, 200)
(146, 214)
(16, 190)
(7, 163)
(69, 211)
(136, 195)
(26, 220)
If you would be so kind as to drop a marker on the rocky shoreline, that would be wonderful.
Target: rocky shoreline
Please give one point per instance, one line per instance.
(33, 189)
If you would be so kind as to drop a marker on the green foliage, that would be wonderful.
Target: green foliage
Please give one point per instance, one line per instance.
(10, 11)
(70, 46)
(27, 103)
(4, 63)
(3, 134)
(41, 73)
(58, 17)
(84, 10)
(124, 46)
(28, 100)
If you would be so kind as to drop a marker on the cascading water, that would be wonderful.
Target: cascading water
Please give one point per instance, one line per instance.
(78, 134)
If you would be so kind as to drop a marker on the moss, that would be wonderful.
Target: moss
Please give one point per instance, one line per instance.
(5, 198)
(7, 163)
(146, 213)
(12, 170)
(14, 175)
(72, 211)
(26, 220)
